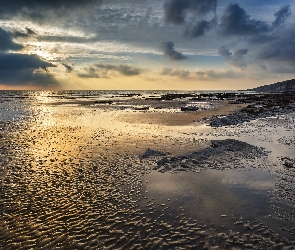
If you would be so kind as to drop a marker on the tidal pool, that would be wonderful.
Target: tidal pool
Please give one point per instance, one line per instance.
(213, 196)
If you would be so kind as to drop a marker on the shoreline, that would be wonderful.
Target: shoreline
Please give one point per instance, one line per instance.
(80, 177)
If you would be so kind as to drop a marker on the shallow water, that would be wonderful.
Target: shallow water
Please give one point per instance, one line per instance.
(213, 196)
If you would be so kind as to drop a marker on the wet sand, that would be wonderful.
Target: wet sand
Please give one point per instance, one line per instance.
(100, 177)
(181, 118)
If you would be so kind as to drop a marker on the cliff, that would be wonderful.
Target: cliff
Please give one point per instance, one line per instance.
(285, 86)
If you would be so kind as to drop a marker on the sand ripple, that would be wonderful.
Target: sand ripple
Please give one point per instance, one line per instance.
(64, 187)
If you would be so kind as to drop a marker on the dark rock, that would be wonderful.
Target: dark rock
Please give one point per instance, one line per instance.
(151, 152)
(189, 108)
(104, 102)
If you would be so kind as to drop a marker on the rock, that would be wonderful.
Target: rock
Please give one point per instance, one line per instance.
(141, 108)
(103, 102)
(288, 163)
(189, 108)
(151, 152)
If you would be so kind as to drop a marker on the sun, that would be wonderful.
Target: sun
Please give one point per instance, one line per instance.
(43, 54)
(36, 49)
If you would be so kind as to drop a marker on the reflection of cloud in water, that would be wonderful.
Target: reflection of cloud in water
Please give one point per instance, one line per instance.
(207, 195)
(252, 179)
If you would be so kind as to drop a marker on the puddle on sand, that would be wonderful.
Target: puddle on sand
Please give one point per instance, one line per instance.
(212, 196)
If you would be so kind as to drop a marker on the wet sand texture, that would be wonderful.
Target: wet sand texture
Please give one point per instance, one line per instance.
(82, 177)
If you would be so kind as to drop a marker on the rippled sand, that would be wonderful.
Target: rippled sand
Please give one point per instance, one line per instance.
(95, 177)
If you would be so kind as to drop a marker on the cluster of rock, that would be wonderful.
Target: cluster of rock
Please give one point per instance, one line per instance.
(193, 96)
(150, 152)
(262, 105)
(288, 162)
(221, 154)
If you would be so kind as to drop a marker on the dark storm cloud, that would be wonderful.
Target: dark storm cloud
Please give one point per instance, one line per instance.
(263, 38)
(190, 13)
(282, 15)
(281, 49)
(224, 52)
(235, 21)
(200, 28)
(90, 73)
(123, 69)
(176, 10)
(29, 77)
(238, 59)
(16, 61)
(69, 69)
(235, 59)
(270, 53)
(6, 42)
(37, 78)
(19, 69)
(168, 50)
(36, 9)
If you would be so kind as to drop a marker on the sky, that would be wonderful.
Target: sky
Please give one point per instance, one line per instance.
(146, 44)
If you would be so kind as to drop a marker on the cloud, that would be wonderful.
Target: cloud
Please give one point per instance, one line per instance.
(90, 73)
(15, 61)
(200, 28)
(238, 59)
(123, 69)
(190, 13)
(38, 78)
(208, 74)
(281, 49)
(281, 16)
(37, 9)
(29, 77)
(224, 52)
(235, 21)
(175, 72)
(69, 69)
(270, 53)
(6, 42)
(168, 50)
(263, 38)
(235, 59)
(105, 70)
(202, 74)
(29, 32)
(176, 10)
(19, 69)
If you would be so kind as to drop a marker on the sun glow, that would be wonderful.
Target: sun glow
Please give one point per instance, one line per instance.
(40, 49)
(43, 54)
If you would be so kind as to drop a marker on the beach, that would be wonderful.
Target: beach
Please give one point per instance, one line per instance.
(147, 170)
